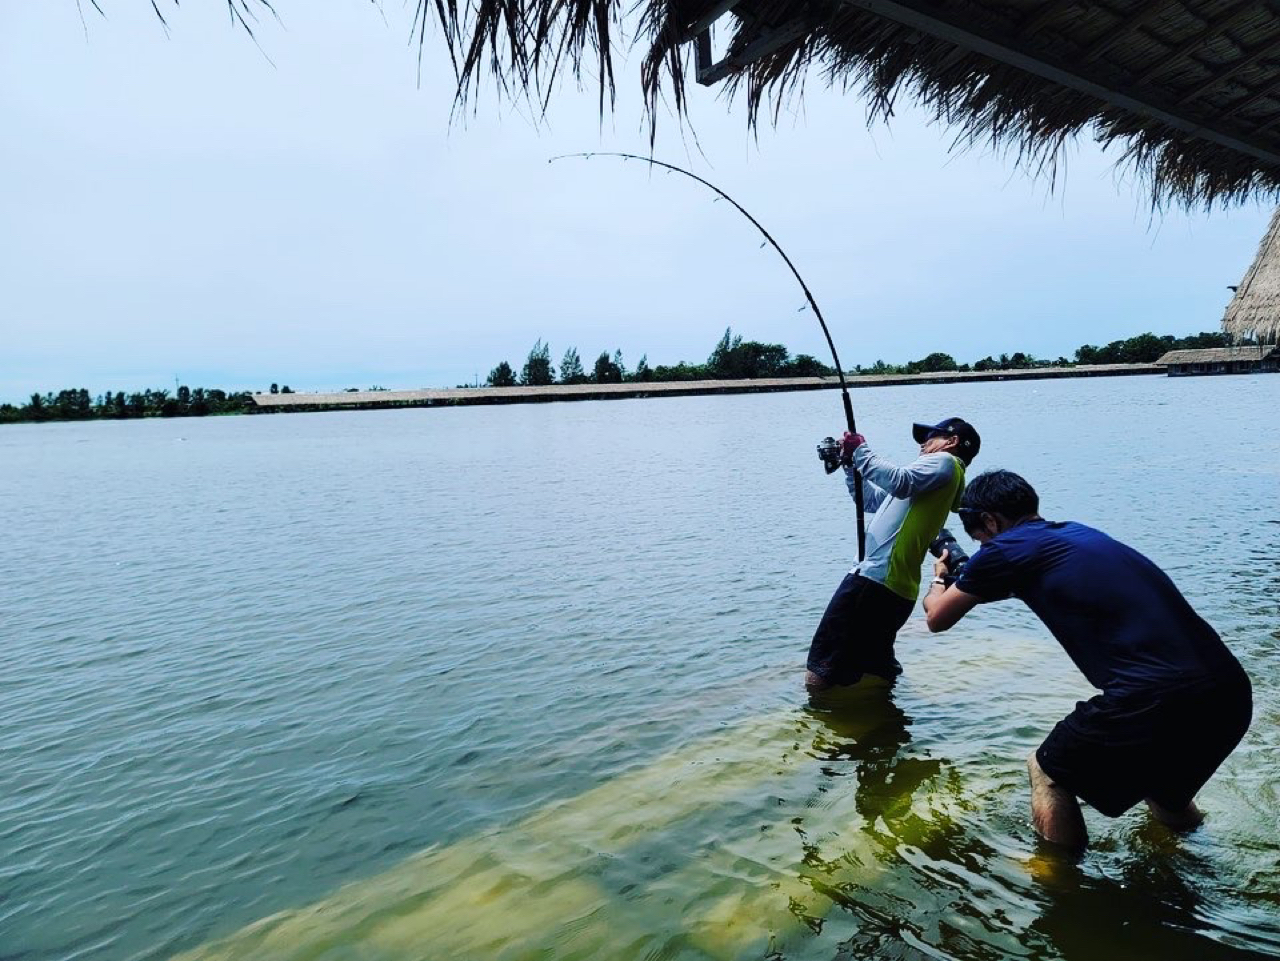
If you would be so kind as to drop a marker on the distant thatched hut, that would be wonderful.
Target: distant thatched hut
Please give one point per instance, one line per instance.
(1221, 360)
(1254, 311)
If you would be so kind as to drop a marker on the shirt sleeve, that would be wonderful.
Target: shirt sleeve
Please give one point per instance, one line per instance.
(989, 575)
(925, 473)
(872, 496)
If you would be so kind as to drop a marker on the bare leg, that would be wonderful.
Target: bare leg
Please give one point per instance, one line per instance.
(1055, 812)
(1187, 819)
(813, 682)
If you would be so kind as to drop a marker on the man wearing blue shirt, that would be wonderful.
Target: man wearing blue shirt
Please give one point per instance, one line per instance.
(1174, 702)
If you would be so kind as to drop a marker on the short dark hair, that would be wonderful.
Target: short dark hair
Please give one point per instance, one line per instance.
(999, 492)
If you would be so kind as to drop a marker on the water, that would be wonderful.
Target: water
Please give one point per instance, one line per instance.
(524, 683)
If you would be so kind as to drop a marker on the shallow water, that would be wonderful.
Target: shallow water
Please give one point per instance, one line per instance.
(524, 683)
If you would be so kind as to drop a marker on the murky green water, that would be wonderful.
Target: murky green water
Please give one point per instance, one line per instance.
(524, 683)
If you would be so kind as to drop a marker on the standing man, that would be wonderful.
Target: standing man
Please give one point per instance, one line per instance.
(856, 634)
(1174, 700)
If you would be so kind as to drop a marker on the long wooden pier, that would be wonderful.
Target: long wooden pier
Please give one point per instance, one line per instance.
(462, 396)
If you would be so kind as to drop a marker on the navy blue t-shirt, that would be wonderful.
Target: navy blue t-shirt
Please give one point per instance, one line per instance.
(1118, 616)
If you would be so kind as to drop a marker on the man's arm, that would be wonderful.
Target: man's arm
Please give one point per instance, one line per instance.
(872, 496)
(944, 606)
(923, 474)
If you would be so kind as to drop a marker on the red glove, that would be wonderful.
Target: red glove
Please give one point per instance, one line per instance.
(852, 442)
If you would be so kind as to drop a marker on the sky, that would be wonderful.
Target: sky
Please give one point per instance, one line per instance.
(187, 203)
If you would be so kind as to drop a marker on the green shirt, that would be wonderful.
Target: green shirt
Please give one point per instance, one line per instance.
(911, 505)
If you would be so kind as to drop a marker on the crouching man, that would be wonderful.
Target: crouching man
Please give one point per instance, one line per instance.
(1174, 700)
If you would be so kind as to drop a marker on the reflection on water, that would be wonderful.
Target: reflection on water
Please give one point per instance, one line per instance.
(476, 684)
(818, 833)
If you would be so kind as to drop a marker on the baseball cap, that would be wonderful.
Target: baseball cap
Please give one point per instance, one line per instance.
(970, 442)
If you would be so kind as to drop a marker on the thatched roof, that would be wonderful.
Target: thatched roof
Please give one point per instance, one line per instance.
(1188, 90)
(1255, 309)
(1215, 355)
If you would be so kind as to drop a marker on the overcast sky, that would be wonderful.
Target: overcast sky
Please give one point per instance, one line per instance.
(189, 204)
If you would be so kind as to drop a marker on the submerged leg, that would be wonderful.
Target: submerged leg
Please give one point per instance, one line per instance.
(1187, 819)
(1055, 812)
(815, 682)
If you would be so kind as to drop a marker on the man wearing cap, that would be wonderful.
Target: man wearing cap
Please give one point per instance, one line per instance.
(910, 504)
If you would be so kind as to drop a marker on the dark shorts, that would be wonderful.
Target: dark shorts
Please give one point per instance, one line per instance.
(856, 634)
(1114, 752)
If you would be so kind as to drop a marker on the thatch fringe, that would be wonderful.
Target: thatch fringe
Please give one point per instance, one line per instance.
(527, 46)
(1255, 309)
(531, 43)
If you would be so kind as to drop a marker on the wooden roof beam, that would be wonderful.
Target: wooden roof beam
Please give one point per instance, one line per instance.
(1122, 29)
(1262, 93)
(1212, 29)
(1266, 50)
(931, 20)
(1045, 15)
(766, 43)
(707, 19)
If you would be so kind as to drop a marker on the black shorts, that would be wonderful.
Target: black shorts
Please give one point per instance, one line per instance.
(1114, 752)
(856, 633)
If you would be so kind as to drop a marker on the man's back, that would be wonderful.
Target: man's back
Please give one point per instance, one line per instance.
(1118, 616)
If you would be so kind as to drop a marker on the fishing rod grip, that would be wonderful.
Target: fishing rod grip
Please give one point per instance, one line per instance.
(857, 479)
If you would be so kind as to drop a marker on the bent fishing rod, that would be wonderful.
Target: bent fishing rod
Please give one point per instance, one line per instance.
(817, 312)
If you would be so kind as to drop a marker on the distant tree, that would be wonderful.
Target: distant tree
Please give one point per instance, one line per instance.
(720, 353)
(735, 359)
(805, 365)
(606, 371)
(275, 388)
(571, 371)
(617, 362)
(537, 371)
(170, 407)
(285, 389)
(502, 376)
(932, 364)
(1203, 341)
(1144, 348)
(680, 372)
(643, 372)
(184, 395)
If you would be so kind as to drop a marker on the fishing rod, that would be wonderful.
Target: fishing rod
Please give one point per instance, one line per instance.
(817, 312)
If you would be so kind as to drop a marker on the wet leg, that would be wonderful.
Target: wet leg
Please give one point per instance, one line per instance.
(1187, 819)
(1055, 812)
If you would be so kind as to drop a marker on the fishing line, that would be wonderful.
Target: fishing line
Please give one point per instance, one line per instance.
(817, 312)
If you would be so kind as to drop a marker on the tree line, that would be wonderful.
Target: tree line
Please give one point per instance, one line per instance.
(77, 404)
(1143, 349)
(731, 359)
(736, 359)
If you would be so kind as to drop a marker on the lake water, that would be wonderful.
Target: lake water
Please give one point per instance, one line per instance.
(524, 682)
